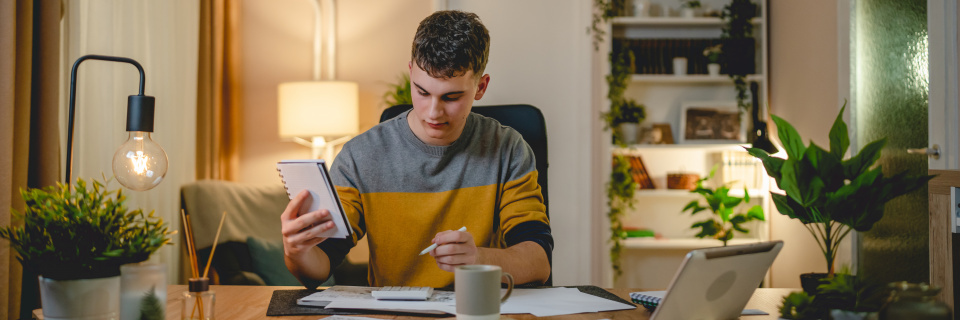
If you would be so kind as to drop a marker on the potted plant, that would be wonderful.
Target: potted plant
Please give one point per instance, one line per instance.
(77, 237)
(398, 93)
(739, 46)
(723, 205)
(628, 118)
(712, 53)
(831, 195)
(689, 8)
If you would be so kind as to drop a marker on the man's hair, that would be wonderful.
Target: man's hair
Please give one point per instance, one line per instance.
(448, 43)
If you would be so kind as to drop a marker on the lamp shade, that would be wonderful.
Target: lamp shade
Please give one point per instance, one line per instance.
(318, 109)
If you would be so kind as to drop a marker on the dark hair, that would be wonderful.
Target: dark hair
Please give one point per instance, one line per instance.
(448, 43)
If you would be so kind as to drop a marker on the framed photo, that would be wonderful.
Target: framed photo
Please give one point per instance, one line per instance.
(712, 122)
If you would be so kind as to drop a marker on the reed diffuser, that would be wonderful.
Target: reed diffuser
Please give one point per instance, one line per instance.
(198, 300)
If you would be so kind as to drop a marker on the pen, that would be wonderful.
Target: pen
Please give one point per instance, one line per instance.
(434, 246)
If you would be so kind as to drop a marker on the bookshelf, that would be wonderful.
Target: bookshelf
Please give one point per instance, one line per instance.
(655, 41)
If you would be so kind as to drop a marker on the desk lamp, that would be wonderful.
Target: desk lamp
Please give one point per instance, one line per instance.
(320, 109)
(139, 163)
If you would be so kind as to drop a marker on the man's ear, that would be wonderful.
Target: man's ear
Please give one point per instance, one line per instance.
(482, 86)
(410, 65)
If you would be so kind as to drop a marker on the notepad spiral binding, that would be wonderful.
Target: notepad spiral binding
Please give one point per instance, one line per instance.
(649, 302)
(284, 183)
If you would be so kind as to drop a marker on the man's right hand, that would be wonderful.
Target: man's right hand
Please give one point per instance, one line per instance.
(302, 232)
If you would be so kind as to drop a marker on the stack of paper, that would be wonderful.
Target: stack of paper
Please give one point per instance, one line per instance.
(539, 302)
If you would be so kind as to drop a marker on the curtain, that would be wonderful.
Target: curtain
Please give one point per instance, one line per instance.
(218, 91)
(162, 36)
(29, 81)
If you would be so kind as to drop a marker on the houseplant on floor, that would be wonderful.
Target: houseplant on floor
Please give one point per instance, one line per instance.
(77, 237)
(828, 194)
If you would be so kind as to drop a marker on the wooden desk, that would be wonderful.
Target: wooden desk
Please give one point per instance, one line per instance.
(250, 302)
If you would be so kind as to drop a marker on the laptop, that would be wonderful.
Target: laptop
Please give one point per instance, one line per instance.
(716, 283)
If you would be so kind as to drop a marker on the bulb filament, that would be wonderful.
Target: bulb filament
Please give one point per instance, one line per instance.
(139, 162)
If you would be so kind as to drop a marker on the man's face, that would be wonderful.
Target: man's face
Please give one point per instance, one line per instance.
(441, 106)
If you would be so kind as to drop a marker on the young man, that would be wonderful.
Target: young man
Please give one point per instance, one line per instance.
(414, 180)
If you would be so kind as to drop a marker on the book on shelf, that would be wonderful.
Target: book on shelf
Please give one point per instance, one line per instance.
(655, 56)
(739, 170)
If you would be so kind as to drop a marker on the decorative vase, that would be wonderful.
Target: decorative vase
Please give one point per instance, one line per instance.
(852, 315)
(97, 298)
(641, 8)
(713, 69)
(628, 131)
(679, 66)
(810, 281)
(687, 13)
(143, 291)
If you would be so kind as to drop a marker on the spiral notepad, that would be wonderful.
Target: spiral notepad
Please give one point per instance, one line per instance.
(312, 175)
(647, 299)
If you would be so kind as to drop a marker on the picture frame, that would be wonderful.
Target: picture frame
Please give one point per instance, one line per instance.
(712, 122)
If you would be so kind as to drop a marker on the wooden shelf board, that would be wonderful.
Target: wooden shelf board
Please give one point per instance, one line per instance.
(673, 21)
(692, 78)
(680, 244)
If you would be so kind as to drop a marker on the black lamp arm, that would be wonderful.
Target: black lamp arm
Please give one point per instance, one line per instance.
(139, 106)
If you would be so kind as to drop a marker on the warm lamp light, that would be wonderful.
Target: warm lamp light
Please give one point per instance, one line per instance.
(320, 109)
(139, 163)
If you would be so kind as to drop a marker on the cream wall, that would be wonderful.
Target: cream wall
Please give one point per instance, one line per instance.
(277, 37)
(804, 82)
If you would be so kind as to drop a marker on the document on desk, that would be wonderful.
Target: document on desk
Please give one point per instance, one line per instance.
(558, 301)
(538, 302)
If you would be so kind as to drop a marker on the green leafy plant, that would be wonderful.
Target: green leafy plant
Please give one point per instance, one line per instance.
(150, 306)
(693, 4)
(712, 53)
(82, 232)
(622, 110)
(737, 27)
(629, 111)
(399, 93)
(845, 291)
(800, 305)
(620, 190)
(603, 11)
(828, 194)
(725, 219)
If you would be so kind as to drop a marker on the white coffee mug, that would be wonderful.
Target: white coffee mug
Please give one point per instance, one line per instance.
(477, 289)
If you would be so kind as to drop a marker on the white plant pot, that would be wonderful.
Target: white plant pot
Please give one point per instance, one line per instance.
(628, 131)
(85, 299)
(713, 69)
(688, 13)
(137, 282)
(641, 8)
(679, 66)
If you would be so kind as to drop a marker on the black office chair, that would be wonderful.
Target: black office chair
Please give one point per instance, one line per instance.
(527, 120)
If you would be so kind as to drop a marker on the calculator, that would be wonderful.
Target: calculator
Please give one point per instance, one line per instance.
(403, 293)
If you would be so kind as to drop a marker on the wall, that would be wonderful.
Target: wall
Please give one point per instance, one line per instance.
(373, 48)
(804, 91)
(540, 55)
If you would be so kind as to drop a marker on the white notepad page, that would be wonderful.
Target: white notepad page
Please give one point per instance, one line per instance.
(311, 175)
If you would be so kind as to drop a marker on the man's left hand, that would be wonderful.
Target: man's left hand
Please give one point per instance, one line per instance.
(454, 248)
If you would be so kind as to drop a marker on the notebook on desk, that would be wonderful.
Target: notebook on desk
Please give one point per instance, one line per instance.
(712, 283)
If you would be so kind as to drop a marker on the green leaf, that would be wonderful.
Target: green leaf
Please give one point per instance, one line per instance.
(862, 162)
(839, 137)
(756, 212)
(792, 142)
(789, 182)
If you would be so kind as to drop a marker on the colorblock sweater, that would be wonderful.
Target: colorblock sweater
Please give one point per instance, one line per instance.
(400, 192)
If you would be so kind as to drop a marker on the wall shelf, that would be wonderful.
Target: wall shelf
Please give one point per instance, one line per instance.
(681, 244)
(673, 21)
(640, 193)
(688, 79)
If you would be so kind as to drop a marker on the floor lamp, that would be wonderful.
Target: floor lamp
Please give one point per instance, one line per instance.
(139, 163)
(320, 109)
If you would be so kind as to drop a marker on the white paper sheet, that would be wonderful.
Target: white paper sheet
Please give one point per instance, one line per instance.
(539, 302)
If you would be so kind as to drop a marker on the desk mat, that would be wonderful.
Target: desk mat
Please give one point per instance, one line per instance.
(284, 303)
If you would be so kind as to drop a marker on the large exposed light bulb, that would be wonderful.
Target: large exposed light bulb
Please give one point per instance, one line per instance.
(140, 163)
